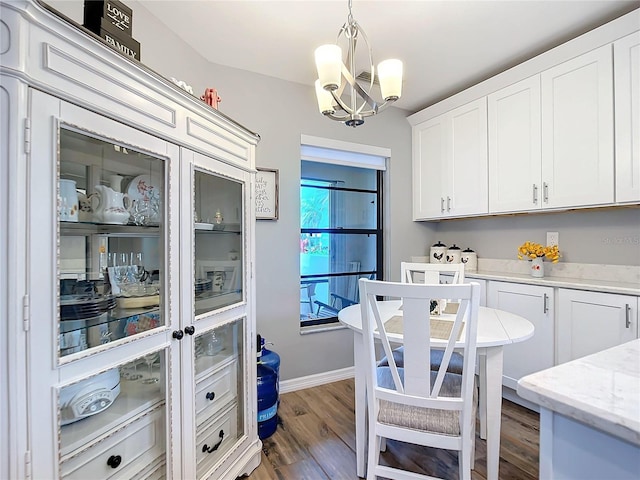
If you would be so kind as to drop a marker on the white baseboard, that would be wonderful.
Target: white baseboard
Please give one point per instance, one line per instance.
(309, 381)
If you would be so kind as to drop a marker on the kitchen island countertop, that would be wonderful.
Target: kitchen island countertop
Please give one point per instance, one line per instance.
(601, 390)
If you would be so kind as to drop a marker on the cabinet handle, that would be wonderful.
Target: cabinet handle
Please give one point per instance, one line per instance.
(545, 304)
(114, 461)
(441, 204)
(216, 446)
(178, 334)
(448, 204)
(545, 192)
(211, 395)
(190, 329)
(627, 309)
(535, 193)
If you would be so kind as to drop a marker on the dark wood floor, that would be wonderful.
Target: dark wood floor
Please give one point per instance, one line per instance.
(316, 441)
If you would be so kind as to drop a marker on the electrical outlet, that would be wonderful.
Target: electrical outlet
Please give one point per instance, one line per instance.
(553, 239)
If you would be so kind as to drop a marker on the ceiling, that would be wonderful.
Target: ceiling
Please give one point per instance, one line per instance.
(446, 46)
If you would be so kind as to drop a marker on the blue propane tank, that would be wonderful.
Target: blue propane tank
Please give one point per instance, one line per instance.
(267, 397)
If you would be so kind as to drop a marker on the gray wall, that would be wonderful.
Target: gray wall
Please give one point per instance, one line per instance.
(280, 112)
(605, 236)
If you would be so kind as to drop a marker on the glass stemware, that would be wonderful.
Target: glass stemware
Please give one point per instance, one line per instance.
(137, 266)
(150, 360)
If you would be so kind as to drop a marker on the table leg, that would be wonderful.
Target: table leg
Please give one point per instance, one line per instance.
(482, 397)
(494, 409)
(361, 402)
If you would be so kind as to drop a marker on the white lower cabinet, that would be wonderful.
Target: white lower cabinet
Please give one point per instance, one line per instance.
(536, 304)
(589, 322)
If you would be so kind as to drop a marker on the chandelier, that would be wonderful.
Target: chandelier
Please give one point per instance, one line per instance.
(350, 97)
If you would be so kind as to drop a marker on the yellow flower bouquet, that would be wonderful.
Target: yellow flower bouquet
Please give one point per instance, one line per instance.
(531, 250)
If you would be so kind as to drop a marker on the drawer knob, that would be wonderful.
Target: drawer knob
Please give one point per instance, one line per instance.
(114, 461)
(189, 329)
(211, 395)
(207, 449)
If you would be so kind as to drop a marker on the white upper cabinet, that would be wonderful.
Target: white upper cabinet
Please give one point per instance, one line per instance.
(550, 140)
(626, 54)
(450, 163)
(515, 170)
(577, 131)
(468, 194)
(429, 145)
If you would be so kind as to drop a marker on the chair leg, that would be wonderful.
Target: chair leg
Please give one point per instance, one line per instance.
(383, 444)
(464, 460)
(473, 445)
(374, 455)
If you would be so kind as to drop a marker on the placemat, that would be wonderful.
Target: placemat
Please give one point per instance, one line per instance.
(440, 329)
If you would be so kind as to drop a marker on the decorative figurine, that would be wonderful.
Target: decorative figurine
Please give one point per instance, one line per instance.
(211, 97)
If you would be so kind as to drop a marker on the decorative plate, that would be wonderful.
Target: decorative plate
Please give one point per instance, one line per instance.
(145, 187)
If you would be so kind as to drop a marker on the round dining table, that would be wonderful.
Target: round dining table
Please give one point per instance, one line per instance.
(496, 328)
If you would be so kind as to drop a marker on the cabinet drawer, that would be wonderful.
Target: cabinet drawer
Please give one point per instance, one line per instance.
(138, 444)
(215, 440)
(215, 391)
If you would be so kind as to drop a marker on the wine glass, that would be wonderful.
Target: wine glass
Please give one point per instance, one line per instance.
(150, 360)
(137, 266)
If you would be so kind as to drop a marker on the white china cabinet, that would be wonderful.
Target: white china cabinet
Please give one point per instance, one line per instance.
(131, 326)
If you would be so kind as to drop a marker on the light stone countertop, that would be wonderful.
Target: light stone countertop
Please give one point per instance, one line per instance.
(601, 390)
(620, 279)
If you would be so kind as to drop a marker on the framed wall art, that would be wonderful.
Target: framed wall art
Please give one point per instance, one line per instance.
(266, 194)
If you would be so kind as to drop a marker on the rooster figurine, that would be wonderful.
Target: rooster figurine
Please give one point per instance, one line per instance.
(211, 97)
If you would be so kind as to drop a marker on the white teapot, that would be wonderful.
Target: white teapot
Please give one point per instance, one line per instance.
(113, 207)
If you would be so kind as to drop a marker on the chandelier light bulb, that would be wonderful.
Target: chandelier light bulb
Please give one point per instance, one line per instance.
(329, 66)
(325, 99)
(390, 78)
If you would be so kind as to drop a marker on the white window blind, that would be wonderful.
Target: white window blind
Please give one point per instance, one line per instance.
(317, 149)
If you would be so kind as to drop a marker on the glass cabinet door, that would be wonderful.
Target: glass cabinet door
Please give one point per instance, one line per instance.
(219, 392)
(218, 232)
(113, 423)
(111, 222)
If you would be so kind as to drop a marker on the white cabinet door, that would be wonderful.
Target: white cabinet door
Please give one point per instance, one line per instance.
(589, 322)
(577, 131)
(514, 147)
(450, 164)
(626, 55)
(467, 160)
(536, 305)
(429, 145)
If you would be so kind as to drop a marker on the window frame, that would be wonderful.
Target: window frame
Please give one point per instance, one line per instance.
(378, 232)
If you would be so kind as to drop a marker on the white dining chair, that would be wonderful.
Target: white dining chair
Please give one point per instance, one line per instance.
(413, 403)
(413, 272)
(430, 273)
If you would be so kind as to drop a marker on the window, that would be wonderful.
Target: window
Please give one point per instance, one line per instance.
(340, 236)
